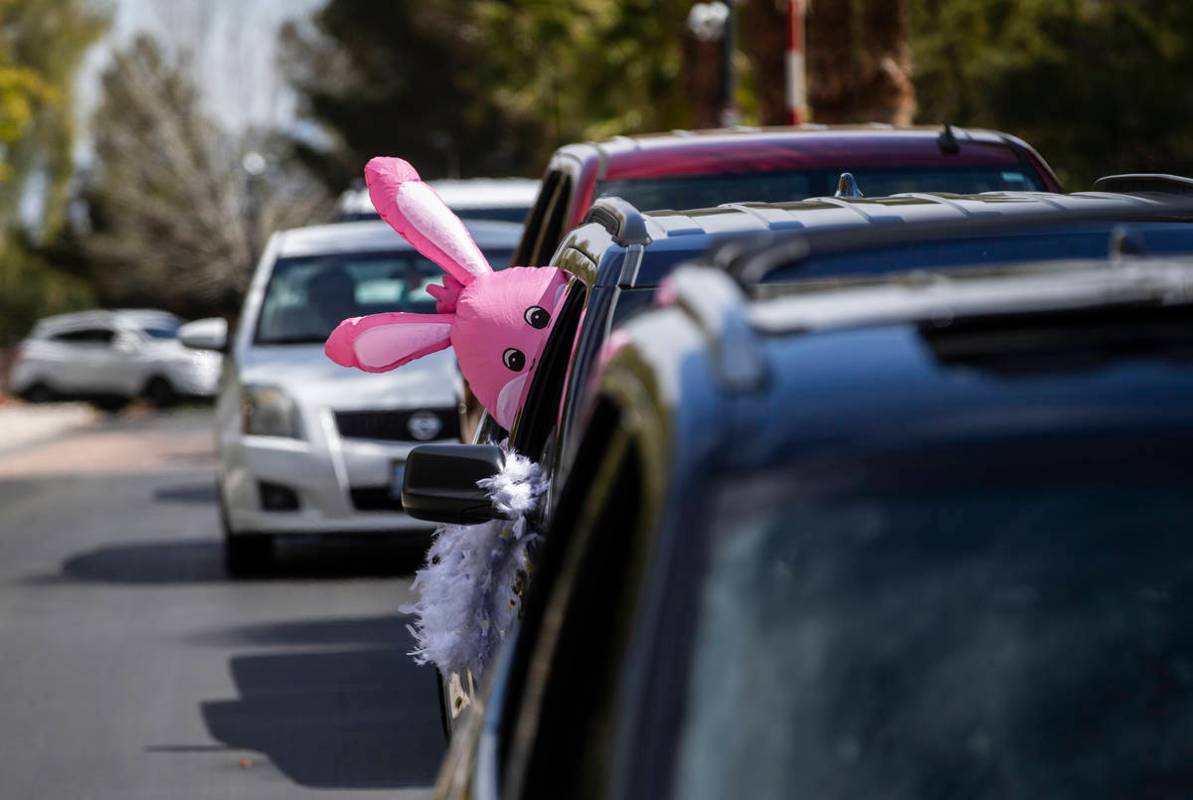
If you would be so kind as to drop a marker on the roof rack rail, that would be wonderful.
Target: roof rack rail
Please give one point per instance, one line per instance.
(1137, 182)
(718, 306)
(624, 222)
(792, 248)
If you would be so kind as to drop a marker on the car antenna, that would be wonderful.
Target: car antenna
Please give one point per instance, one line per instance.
(947, 140)
(847, 186)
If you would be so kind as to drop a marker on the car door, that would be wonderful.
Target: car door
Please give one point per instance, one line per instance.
(560, 734)
(83, 358)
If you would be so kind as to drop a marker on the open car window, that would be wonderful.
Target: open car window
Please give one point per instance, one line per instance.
(538, 416)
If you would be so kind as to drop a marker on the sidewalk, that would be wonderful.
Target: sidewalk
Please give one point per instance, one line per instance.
(22, 424)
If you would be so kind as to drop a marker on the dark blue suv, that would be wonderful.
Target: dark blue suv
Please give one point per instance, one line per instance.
(916, 539)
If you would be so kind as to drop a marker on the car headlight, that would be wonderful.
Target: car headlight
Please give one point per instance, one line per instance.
(268, 411)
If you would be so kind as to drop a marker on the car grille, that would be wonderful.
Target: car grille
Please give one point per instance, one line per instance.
(394, 426)
(375, 499)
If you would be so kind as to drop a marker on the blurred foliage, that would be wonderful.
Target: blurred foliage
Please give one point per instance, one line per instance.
(180, 209)
(483, 87)
(401, 78)
(42, 43)
(1098, 86)
(582, 69)
(31, 288)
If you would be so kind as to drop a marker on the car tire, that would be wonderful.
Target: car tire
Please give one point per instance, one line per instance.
(160, 392)
(38, 393)
(245, 554)
(112, 404)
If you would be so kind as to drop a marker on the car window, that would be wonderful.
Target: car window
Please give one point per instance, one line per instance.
(537, 419)
(1085, 240)
(551, 227)
(307, 297)
(705, 191)
(161, 332)
(939, 626)
(86, 336)
(528, 245)
(502, 213)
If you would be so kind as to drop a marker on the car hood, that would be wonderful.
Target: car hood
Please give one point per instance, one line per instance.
(312, 379)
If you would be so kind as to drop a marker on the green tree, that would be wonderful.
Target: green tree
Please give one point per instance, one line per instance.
(476, 87)
(401, 80)
(180, 208)
(1099, 86)
(42, 43)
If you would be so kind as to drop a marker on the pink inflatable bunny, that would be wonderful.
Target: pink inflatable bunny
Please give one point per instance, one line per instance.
(497, 321)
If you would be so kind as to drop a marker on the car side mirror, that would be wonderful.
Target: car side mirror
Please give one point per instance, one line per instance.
(205, 334)
(440, 482)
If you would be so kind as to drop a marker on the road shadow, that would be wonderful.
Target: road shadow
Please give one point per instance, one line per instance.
(344, 631)
(203, 493)
(201, 561)
(360, 717)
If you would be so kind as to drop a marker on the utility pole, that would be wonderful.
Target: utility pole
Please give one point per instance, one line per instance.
(729, 115)
(797, 87)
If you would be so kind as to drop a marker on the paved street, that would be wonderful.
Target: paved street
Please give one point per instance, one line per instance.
(132, 667)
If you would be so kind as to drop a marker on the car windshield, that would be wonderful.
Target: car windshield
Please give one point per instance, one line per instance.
(979, 624)
(161, 331)
(308, 297)
(706, 191)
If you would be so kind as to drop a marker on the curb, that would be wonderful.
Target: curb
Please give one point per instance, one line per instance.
(24, 425)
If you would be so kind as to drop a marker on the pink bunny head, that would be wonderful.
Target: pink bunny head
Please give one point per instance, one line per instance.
(497, 321)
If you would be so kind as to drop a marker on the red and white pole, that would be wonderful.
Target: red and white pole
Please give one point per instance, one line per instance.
(797, 91)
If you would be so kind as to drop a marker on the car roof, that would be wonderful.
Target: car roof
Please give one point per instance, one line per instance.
(814, 146)
(459, 195)
(921, 360)
(371, 236)
(139, 317)
(832, 212)
(693, 231)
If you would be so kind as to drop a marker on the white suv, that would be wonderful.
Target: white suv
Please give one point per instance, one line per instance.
(307, 446)
(110, 357)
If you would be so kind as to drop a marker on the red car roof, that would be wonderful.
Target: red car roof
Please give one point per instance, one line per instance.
(750, 150)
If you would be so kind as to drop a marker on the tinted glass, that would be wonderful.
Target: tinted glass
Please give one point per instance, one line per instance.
(307, 297)
(161, 332)
(1041, 244)
(1006, 621)
(93, 336)
(704, 191)
(503, 213)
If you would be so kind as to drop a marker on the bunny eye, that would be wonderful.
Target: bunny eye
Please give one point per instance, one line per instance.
(514, 359)
(537, 317)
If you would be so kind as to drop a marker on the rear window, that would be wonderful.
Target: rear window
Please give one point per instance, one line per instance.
(704, 191)
(1080, 241)
(1008, 620)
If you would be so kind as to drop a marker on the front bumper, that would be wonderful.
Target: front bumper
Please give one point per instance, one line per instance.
(342, 485)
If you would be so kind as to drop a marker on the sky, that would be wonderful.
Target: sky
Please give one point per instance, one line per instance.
(233, 45)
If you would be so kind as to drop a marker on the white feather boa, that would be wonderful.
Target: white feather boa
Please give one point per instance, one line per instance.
(467, 599)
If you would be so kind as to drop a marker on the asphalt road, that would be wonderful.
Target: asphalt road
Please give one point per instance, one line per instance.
(131, 666)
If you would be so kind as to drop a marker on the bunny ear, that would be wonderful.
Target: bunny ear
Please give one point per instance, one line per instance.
(381, 342)
(414, 210)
